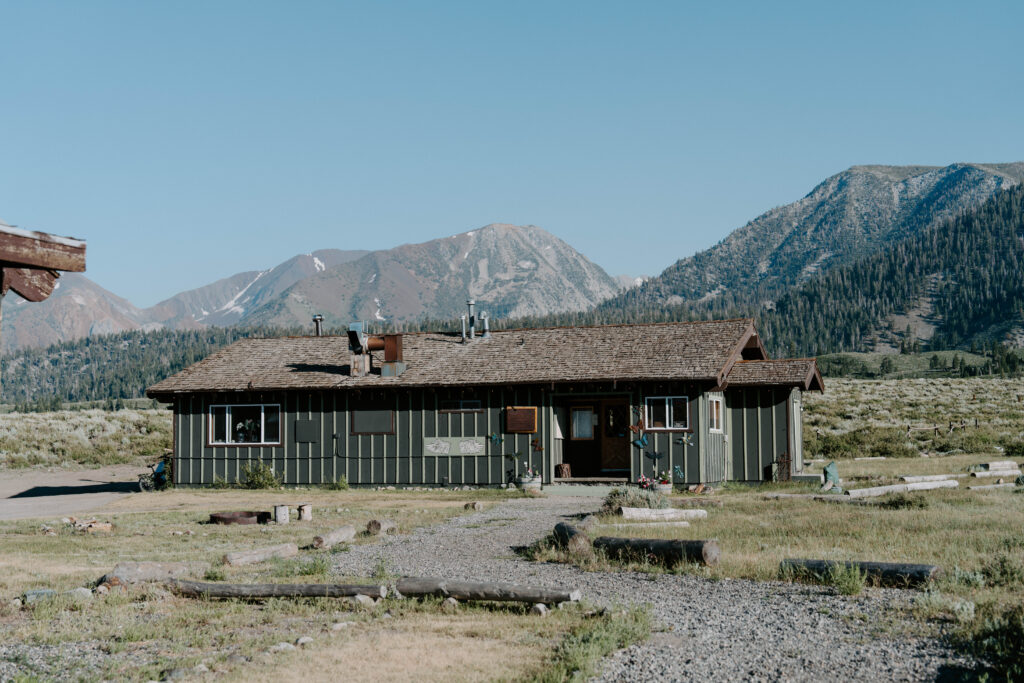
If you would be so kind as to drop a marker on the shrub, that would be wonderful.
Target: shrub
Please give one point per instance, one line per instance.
(215, 574)
(259, 476)
(887, 442)
(902, 501)
(631, 497)
(1013, 449)
(317, 566)
(340, 485)
(847, 579)
(1003, 570)
(999, 640)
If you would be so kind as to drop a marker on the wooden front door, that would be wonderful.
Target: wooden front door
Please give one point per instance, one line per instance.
(597, 444)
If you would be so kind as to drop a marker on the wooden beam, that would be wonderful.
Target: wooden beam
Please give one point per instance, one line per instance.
(196, 589)
(41, 250)
(895, 574)
(468, 590)
(31, 284)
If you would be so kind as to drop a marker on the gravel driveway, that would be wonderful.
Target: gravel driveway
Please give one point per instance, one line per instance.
(718, 630)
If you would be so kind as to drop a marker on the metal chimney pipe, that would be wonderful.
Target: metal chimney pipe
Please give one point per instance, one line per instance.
(487, 326)
(318, 322)
(472, 319)
(463, 319)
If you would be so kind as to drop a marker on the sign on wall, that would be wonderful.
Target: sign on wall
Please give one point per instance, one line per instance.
(454, 445)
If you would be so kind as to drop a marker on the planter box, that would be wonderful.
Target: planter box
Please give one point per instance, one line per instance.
(528, 484)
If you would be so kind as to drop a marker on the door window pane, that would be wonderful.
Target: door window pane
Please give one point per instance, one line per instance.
(246, 423)
(271, 424)
(679, 412)
(582, 423)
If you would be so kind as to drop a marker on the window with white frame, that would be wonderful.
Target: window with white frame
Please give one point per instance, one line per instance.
(667, 413)
(715, 414)
(245, 424)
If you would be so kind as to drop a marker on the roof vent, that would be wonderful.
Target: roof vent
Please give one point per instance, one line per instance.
(318, 325)
(472, 319)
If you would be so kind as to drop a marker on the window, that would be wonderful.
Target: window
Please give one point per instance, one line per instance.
(373, 422)
(583, 423)
(258, 423)
(462, 406)
(715, 414)
(667, 413)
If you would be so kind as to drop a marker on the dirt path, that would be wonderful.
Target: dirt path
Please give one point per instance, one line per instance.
(33, 493)
(711, 630)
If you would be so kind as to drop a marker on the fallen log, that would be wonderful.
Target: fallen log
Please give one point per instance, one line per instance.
(333, 538)
(376, 527)
(1001, 465)
(902, 488)
(1012, 474)
(663, 514)
(697, 502)
(466, 590)
(871, 457)
(142, 572)
(475, 505)
(261, 554)
(896, 574)
(649, 525)
(197, 589)
(588, 522)
(918, 478)
(669, 552)
(572, 539)
(980, 487)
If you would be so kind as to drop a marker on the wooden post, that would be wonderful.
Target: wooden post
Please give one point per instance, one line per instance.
(306, 512)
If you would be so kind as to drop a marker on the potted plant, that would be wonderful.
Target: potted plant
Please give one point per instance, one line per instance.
(529, 480)
(663, 482)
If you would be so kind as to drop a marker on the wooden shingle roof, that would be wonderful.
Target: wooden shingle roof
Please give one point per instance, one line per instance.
(697, 351)
(790, 372)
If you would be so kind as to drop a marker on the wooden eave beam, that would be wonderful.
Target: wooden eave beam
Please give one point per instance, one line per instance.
(31, 284)
(736, 354)
(40, 250)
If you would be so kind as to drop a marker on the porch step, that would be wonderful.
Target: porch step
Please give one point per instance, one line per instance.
(595, 490)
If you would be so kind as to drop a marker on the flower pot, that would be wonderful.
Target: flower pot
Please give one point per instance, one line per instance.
(528, 483)
(663, 488)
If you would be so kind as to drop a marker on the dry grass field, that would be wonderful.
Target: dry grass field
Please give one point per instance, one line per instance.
(72, 438)
(146, 632)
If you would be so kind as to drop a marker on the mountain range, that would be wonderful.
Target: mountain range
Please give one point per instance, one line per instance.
(510, 271)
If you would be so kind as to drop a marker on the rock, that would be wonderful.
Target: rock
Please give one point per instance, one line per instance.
(387, 615)
(174, 675)
(540, 609)
(511, 486)
(79, 593)
(200, 669)
(34, 596)
(65, 520)
(282, 647)
(340, 625)
(362, 601)
(475, 505)
(237, 659)
(304, 641)
(101, 589)
(16, 603)
(450, 604)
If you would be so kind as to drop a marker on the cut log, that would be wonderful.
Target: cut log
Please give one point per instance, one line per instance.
(873, 457)
(895, 574)
(140, 572)
(333, 538)
(665, 514)
(669, 552)
(376, 527)
(1000, 465)
(902, 488)
(306, 512)
(466, 590)
(196, 589)
(697, 503)
(261, 554)
(1006, 474)
(918, 478)
(281, 514)
(649, 525)
(588, 522)
(475, 505)
(572, 539)
(981, 487)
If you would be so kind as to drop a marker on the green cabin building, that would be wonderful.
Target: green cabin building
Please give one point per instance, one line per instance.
(700, 400)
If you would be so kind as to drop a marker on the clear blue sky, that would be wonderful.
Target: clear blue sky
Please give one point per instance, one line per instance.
(187, 140)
